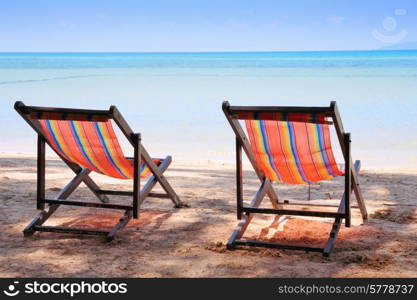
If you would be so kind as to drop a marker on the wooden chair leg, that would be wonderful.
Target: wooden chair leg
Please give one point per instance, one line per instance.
(247, 217)
(119, 226)
(332, 237)
(153, 180)
(335, 230)
(88, 182)
(161, 178)
(358, 191)
(338, 221)
(62, 195)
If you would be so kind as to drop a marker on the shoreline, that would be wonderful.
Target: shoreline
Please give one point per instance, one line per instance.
(222, 163)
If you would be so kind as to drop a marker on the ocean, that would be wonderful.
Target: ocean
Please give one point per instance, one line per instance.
(174, 99)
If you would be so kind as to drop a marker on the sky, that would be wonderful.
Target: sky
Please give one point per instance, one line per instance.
(190, 26)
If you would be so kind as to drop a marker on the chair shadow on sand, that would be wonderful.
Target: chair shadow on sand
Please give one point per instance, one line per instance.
(298, 231)
(150, 220)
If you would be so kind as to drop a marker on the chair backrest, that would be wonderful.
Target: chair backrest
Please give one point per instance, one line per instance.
(92, 145)
(290, 146)
(84, 137)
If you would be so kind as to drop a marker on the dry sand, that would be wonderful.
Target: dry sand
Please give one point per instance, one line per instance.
(189, 242)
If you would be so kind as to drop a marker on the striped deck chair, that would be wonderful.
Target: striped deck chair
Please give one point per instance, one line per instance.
(86, 141)
(291, 145)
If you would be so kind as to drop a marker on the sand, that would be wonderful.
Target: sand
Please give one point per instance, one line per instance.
(190, 242)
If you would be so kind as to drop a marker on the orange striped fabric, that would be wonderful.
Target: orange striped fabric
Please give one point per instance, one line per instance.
(292, 152)
(92, 145)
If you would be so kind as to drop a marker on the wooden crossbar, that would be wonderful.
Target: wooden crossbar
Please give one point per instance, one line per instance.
(60, 229)
(281, 109)
(292, 212)
(88, 204)
(255, 243)
(59, 113)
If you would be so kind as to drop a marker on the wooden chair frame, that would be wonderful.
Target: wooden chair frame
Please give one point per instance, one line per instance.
(246, 213)
(82, 174)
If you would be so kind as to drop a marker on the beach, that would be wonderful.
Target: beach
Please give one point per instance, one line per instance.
(190, 242)
(174, 101)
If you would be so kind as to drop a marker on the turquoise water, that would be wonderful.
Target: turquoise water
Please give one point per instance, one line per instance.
(174, 99)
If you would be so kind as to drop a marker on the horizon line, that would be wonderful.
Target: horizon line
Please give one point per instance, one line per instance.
(184, 52)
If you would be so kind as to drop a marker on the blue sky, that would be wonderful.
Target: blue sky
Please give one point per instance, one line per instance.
(297, 25)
